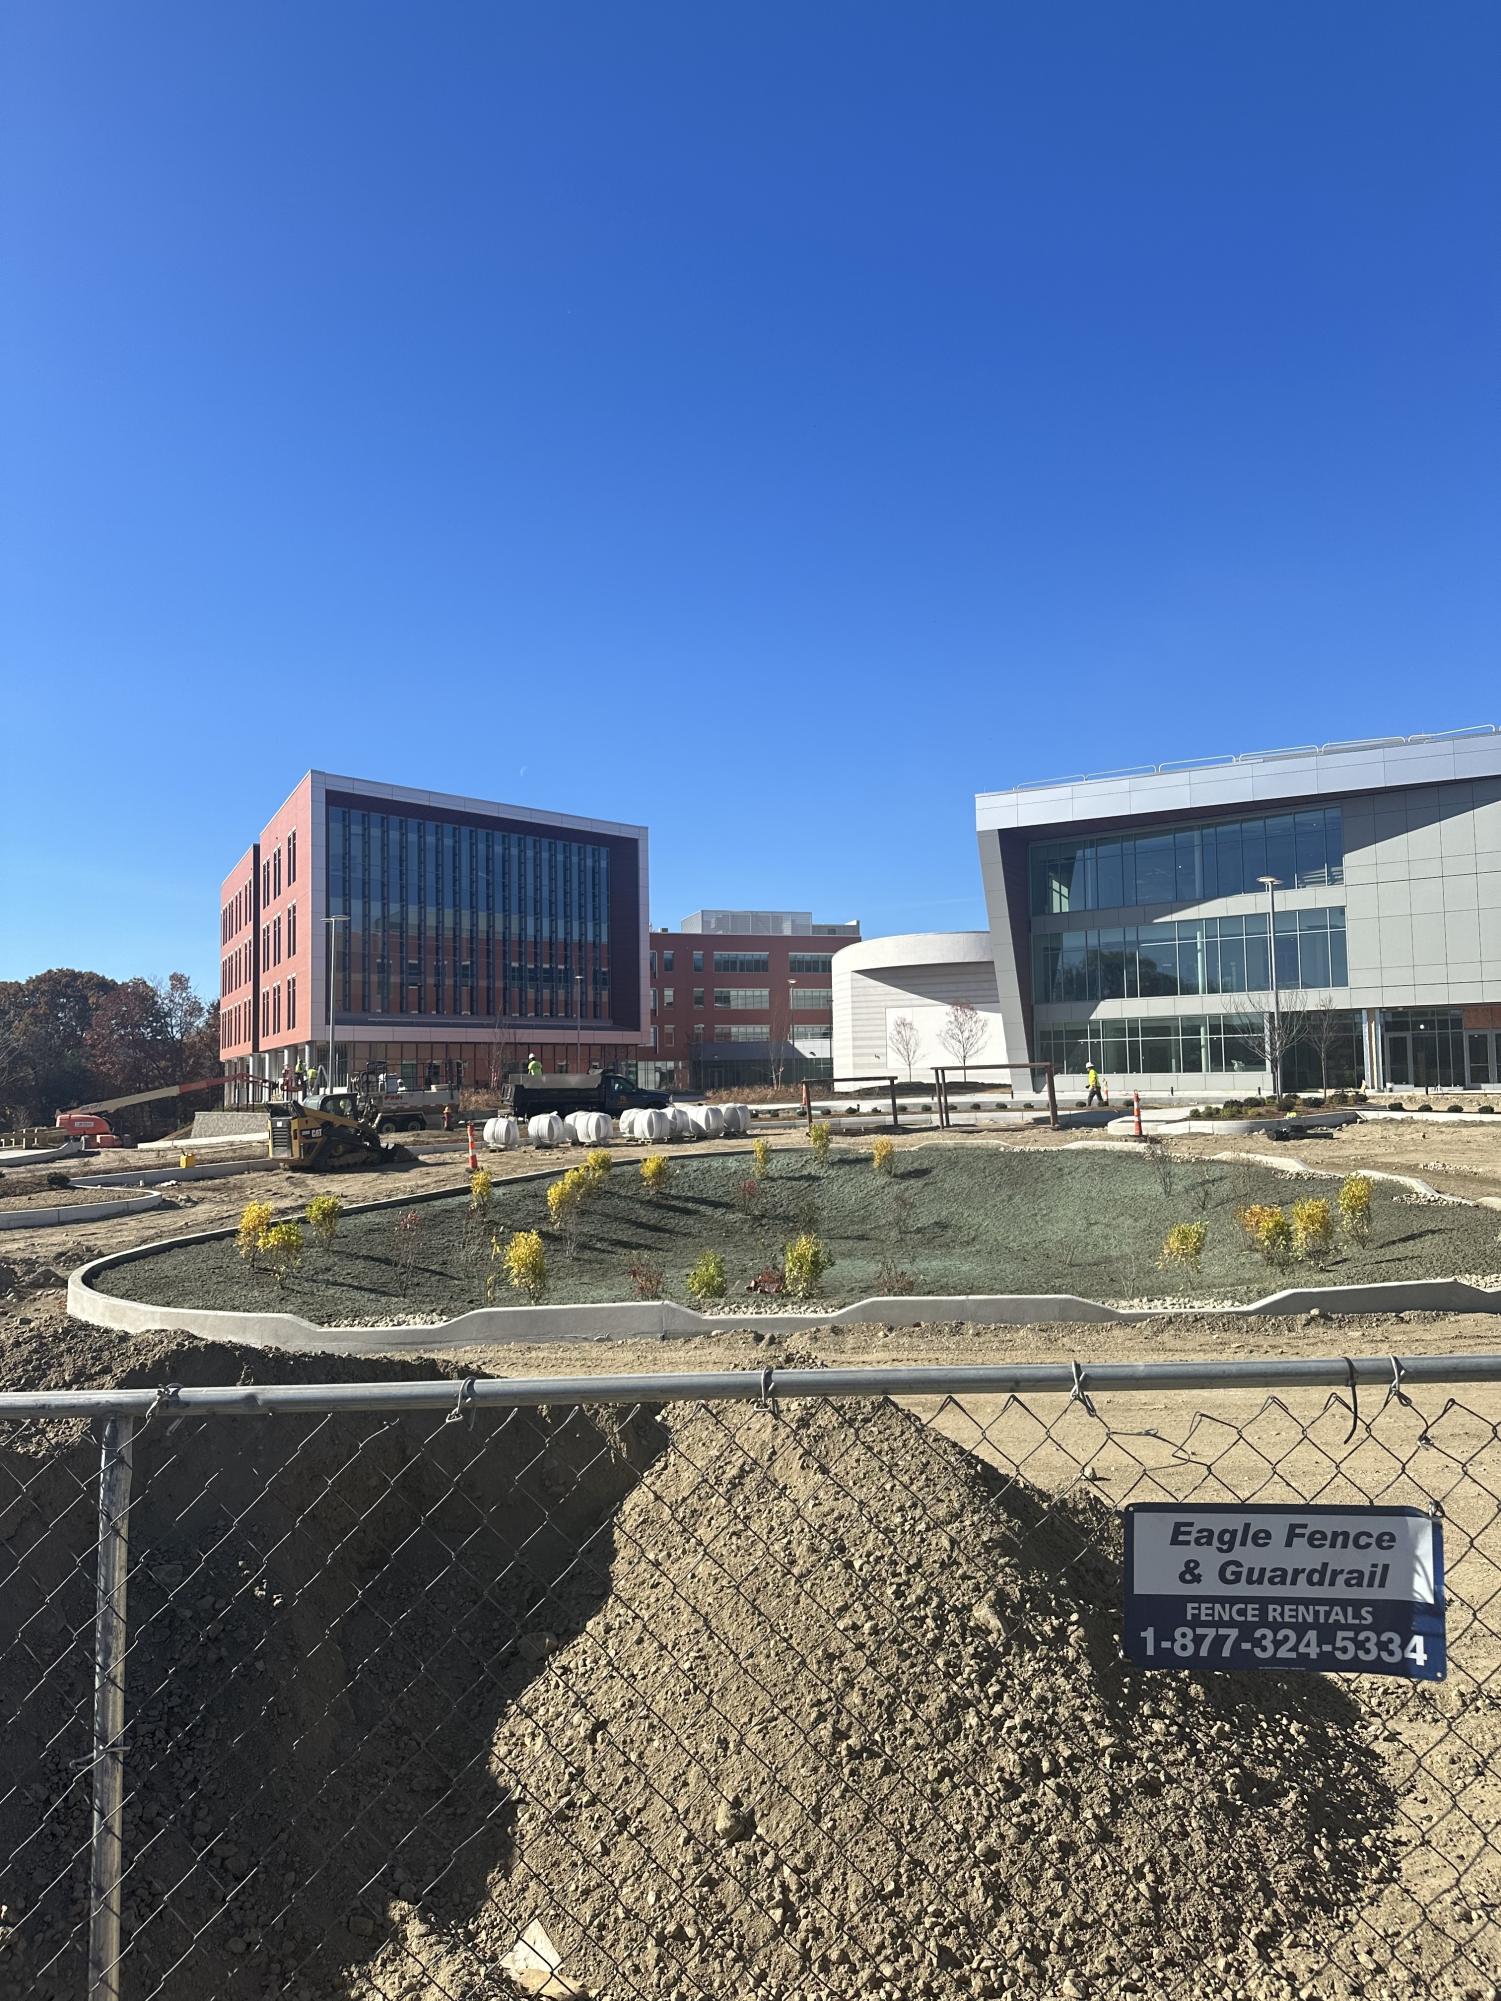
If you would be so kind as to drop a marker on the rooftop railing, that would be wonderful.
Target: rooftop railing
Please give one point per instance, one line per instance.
(1252, 757)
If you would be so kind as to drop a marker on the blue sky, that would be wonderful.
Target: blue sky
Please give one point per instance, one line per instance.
(773, 423)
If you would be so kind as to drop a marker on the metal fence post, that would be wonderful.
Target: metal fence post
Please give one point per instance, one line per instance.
(109, 1709)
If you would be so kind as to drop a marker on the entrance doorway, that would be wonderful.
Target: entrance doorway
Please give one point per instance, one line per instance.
(1481, 1054)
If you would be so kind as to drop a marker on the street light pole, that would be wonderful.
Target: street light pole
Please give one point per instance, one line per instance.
(332, 949)
(1271, 884)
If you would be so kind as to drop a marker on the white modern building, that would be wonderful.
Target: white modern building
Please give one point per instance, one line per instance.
(1153, 920)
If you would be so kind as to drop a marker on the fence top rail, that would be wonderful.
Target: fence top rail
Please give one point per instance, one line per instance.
(462, 1394)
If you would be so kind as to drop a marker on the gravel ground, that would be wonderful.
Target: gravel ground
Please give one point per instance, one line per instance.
(950, 1220)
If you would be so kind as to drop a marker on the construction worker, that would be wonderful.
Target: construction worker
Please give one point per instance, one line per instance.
(534, 1065)
(448, 1118)
(1096, 1095)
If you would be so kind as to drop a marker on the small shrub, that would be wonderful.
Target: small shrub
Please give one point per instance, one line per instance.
(1425, 1106)
(707, 1281)
(770, 1280)
(1268, 1231)
(761, 1155)
(656, 1174)
(1183, 1248)
(1355, 1207)
(646, 1276)
(819, 1135)
(883, 1156)
(481, 1188)
(748, 1196)
(408, 1228)
(565, 1201)
(323, 1214)
(250, 1238)
(282, 1245)
(597, 1164)
(1486, 1108)
(1313, 1228)
(524, 1261)
(804, 1263)
(894, 1281)
(1454, 1108)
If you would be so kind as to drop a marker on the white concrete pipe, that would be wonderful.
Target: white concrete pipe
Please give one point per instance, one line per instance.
(736, 1120)
(591, 1128)
(653, 1127)
(546, 1129)
(679, 1125)
(707, 1121)
(628, 1120)
(501, 1133)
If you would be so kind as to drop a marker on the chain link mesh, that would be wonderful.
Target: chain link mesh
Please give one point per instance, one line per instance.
(818, 1697)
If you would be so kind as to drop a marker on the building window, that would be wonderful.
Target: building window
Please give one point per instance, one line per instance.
(811, 998)
(697, 1032)
(292, 1001)
(276, 1010)
(740, 997)
(653, 1000)
(742, 962)
(265, 944)
(667, 962)
(265, 882)
(698, 962)
(292, 931)
(669, 1035)
(653, 958)
(276, 941)
(667, 997)
(698, 996)
(810, 962)
(742, 1031)
(276, 873)
(291, 857)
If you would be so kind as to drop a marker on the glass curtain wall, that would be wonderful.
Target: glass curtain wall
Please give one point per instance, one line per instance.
(1187, 864)
(1215, 955)
(1188, 1045)
(465, 920)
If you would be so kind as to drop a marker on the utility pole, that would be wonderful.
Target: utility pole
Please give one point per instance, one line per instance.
(332, 950)
(1271, 884)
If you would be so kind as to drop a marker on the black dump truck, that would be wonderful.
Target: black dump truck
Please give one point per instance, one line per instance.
(577, 1091)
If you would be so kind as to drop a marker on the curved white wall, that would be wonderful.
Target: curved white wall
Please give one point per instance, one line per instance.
(920, 974)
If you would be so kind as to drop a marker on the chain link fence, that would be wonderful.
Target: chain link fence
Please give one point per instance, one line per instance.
(805, 1684)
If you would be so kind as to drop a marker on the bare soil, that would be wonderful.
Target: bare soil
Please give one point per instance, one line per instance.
(739, 1703)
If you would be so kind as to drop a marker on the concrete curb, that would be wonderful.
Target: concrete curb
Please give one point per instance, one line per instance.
(77, 1212)
(156, 1177)
(37, 1157)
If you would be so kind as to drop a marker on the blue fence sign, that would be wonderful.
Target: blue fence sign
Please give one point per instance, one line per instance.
(1321, 1590)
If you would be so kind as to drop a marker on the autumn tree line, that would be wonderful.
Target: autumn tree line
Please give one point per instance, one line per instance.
(69, 1038)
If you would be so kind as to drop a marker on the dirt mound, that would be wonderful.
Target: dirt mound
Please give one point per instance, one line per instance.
(852, 1721)
(327, 1617)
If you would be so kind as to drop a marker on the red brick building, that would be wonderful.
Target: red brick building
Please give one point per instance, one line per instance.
(741, 997)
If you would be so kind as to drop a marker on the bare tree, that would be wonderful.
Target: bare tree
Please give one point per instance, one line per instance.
(1327, 1030)
(963, 1033)
(1277, 1025)
(905, 1042)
